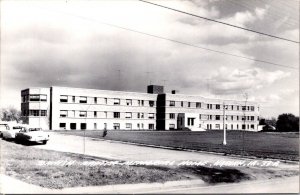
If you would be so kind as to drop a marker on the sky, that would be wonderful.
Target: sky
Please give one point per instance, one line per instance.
(95, 44)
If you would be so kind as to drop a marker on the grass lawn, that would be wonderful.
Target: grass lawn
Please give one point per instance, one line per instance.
(260, 144)
(21, 162)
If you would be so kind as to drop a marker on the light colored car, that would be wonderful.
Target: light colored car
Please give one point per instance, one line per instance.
(33, 135)
(11, 132)
(3, 127)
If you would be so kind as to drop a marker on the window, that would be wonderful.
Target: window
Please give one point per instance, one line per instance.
(33, 112)
(62, 125)
(105, 126)
(83, 100)
(63, 113)
(172, 103)
(95, 100)
(151, 126)
(43, 112)
(217, 117)
(171, 126)
(116, 114)
(116, 101)
(189, 104)
(252, 126)
(128, 102)
(105, 114)
(199, 116)
(237, 107)
(232, 118)
(138, 115)
(43, 98)
(128, 115)
(142, 102)
(243, 126)
(63, 98)
(151, 103)
(82, 114)
(172, 116)
(252, 109)
(232, 107)
(252, 118)
(95, 114)
(142, 115)
(198, 105)
(116, 125)
(139, 102)
(207, 106)
(151, 115)
(95, 125)
(73, 99)
(82, 126)
(128, 126)
(218, 106)
(217, 126)
(237, 118)
(243, 107)
(191, 121)
(105, 100)
(73, 126)
(34, 98)
(210, 117)
(181, 103)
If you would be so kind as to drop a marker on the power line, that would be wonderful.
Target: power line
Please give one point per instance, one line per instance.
(212, 20)
(175, 41)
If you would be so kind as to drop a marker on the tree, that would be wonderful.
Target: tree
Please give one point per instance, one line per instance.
(10, 114)
(287, 122)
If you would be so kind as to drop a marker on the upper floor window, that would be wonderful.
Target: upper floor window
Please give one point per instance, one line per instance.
(244, 108)
(105, 100)
(172, 116)
(95, 114)
(83, 99)
(43, 98)
(95, 100)
(63, 113)
(63, 98)
(128, 102)
(218, 106)
(198, 105)
(34, 98)
(189, 104)
(217, 117)
(181, 103)
(252, 108)
(172, 103)
(128, 115)
(142, 115)
(116, 114)
(82, 114)
(73, 99)
(43, 112)
(116, 101)
(142, 102)
(151, 103)
(151, 115)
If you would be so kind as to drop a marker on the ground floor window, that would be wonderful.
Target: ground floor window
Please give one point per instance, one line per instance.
(73, 126)
(243, 126)
(191, 121)
(95, 125)
(116, 125)
(172, 126)
(82, 126)
(62, 125)
(252, 126)
(151, 126)
(128, 126)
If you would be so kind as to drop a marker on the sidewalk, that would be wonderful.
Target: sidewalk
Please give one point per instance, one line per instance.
(281, 185)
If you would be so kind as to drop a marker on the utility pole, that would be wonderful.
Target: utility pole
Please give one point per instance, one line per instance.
(246, 98)
(224, 129)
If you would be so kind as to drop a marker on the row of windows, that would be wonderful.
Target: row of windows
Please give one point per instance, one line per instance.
(71, 113)
(217, 126)
(129, 126)
(34, 112)
(219, 117)
(115, 101)
(34, 98)
(209, 106)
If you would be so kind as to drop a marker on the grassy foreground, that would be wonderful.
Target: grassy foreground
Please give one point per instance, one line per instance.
(260, 144)
(22, 162)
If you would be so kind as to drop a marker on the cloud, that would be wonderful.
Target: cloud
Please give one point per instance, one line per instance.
(234, 81)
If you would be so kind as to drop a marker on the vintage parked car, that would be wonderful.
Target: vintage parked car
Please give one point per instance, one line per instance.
(10, 133)
(32, 135)
(3, 127)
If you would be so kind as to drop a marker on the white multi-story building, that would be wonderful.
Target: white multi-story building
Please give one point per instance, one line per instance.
(64, 108)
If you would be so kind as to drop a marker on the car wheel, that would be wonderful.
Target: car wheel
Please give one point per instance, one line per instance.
(44, 142)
